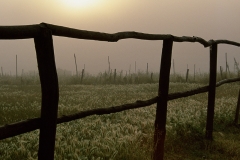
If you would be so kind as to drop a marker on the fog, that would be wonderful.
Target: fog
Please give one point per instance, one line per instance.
(206, 19)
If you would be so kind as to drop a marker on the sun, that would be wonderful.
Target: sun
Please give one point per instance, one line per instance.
(79, 3)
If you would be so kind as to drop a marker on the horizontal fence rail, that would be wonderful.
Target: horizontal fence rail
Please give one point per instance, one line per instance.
(14, 129)
(31, 31)
(42, 34)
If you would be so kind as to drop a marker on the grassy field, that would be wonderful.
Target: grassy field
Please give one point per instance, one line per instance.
(127, 135)
(112, 78)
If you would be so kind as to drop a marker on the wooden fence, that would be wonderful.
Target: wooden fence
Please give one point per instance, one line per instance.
(47, 123)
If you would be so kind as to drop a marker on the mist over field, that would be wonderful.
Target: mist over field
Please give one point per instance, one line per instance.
(107, 101)
(206, 19)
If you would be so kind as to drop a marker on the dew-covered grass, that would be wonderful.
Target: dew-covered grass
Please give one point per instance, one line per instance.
(127, 135)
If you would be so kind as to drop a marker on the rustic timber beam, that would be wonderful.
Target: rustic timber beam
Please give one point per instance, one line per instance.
(19, 32)
(91, 35)
(15, 129)
(199, 90)
(30, 31)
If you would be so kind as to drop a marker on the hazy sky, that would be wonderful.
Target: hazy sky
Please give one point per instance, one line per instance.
(209, 19)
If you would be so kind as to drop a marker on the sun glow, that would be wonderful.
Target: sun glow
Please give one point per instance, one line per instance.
(79, 3)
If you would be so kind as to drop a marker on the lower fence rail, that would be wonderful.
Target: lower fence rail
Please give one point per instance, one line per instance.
(14, 129)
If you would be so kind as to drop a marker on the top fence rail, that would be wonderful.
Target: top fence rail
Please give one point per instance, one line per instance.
(31, 31)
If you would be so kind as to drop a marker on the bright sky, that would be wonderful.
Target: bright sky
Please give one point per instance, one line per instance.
(209, 19)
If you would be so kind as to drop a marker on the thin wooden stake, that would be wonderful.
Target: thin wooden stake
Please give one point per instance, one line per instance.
(151, 77)
(187, 75)
(221, 72)
(114, 76)
(16, 66)
(50, 93)
(76, 64)
(147, 68)
(226, 63)
(135, 67)
(129, 69)
(173, 68)
(212, 91)
(194, 72)
(82, 75)
(227, 66)
(109, 65)
(2, 70)
(237, 109)
(236, 66)
(161, 112)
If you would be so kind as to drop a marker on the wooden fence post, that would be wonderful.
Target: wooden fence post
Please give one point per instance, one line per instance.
(16, 67)
(114, 76)
(187, 75)
(50, 93)
(151, 77)
(147, 68)
(135, 67)
(236, 66)
(2, 71)
(173, 68)
(109, 68)
(211, 91)
(227, 67)
(161, 112)
(82, 75)
(76, 64)
(194, 73)
(221, 72)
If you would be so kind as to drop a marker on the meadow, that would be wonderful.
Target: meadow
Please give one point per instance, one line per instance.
(126, 135)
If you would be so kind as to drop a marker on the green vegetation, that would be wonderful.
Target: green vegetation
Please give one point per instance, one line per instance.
(126, 135)
(121, 77)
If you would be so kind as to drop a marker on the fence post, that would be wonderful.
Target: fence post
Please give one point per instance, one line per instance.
(221, 72)
(50, 93)
(76, 65)
(2, 71)
(82, 75)
(16, 67)
(187, 75)
(147, 69)
(211, 91)
(151, 77)
(173, 67)
(194, 73)
(161, 112)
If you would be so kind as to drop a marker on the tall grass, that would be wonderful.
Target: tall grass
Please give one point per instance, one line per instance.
(126, 135)
(112, 78)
